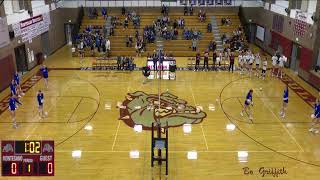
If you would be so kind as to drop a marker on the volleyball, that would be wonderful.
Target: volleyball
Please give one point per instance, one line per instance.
(313, 116)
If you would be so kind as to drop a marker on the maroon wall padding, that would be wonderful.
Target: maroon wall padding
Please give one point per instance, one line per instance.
(314, 80)
(6, 71)
(305, 59)
(285, 43)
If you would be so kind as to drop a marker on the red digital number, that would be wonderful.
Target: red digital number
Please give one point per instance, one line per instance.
(13, 168)
(50, 168)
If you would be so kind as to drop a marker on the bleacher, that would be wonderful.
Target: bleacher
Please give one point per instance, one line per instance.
(179, 48)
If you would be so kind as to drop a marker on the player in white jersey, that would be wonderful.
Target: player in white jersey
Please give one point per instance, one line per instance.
(257, 59)
(264, 68)
(274, 64)
(251, 60)
(282, 60)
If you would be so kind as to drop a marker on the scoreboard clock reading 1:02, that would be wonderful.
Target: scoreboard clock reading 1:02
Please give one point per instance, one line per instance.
(27, 158)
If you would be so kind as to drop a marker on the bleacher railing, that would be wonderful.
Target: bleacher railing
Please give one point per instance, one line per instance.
(154, 3)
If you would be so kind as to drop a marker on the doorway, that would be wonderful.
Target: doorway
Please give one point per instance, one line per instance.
(295, 57)
(68, 30)
(45, 43)
(21, 59)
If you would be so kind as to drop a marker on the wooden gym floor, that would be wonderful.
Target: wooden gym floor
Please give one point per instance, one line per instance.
(78, 98)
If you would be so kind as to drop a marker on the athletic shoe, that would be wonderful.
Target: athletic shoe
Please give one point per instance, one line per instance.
(311, 129)
(316, 131)
(241, 114)
(15, 126)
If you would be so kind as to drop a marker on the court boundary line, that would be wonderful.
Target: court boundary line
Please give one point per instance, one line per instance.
(203, 134)
(128, 151)
(279, 121)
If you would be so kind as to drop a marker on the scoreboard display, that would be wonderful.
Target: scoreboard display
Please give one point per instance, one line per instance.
(27, 158)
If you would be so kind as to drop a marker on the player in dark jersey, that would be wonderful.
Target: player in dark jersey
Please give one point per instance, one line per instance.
(247, 104)
(285, 102)
(12, 107)
(45, 74)
(40, 100)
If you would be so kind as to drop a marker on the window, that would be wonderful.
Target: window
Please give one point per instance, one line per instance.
(296, 4)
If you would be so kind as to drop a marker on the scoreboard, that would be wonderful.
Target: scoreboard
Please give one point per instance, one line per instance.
(27, 158)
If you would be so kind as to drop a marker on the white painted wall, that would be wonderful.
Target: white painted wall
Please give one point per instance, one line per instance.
(312, 6)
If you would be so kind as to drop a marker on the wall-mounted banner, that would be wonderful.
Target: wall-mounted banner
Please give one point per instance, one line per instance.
(4, 33)
(32, 27)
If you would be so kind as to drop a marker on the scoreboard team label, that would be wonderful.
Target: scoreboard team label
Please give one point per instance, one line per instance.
(27, 158)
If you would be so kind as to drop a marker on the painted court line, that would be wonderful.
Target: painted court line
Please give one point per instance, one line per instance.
(285, 128)
(204, 136)
(106, 151)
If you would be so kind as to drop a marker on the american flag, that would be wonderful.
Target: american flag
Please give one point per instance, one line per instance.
(300, 23)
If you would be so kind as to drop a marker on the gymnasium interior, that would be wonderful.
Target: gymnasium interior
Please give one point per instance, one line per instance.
(156, 89)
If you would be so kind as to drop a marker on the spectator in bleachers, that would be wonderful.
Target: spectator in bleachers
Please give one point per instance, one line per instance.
(194, 44)
(202, 15)
(126, 23)
(226, 21)
(164, 10)
(123, 11)
(175, 34)
(185, 10)
(138, 48)
(212, 45)
(111, 32)
(191, 10)
(108, 46)
(104, 12)
(209, 28)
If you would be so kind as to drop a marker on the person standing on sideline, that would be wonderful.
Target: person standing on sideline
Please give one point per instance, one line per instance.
(214, 59)
(12, 108)
(285, 102)
(315, 117)
(231, 65)
(264, 68)
(40, 99)
(206, 60)
(45, 74)
(196, 68)
(108, 47)
(274, 64)
(257, 59)
(247, 104)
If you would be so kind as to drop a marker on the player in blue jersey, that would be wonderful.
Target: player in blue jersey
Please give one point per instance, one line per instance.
(247, 104)
(315, 117)
(13, 88)
(285, 102)
(40, 100)
(45, 74)
(16, 79)
(12, 107)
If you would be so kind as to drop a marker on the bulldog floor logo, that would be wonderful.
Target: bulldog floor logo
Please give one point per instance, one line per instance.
(142, 108)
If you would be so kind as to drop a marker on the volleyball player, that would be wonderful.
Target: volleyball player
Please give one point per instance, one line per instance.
(247, 104)
(45, 74)
(257, 60)
(247, 61)
(274, 64)
(40, 99)
(315, 117)
(17, 82)
(251, 60)
(285, 102)
(12, 108)
(264, 68)
(13, 88)
(282, 60)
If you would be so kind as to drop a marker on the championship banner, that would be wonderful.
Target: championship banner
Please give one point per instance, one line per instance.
(32, 27)
(300, 23)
